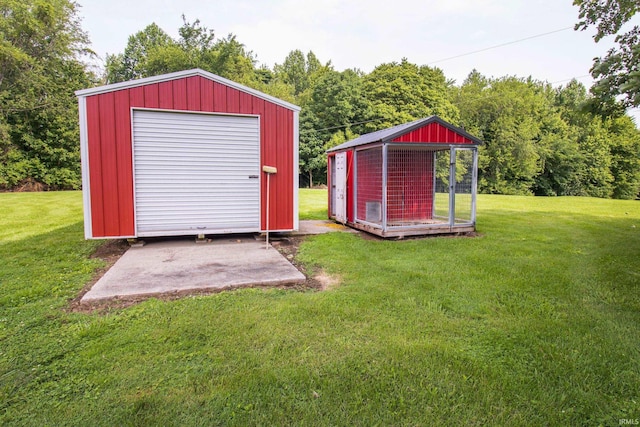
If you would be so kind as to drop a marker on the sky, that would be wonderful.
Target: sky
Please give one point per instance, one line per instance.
(363, 34)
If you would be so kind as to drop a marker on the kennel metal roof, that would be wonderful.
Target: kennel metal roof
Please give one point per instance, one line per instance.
(430, 130)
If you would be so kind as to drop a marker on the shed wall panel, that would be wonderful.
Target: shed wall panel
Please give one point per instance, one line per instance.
(349, 191)
(331, 158)
(95, 169)
(123, 163)
(433, 133)
(206, 93)
(246, 106)
(136, 96)
(165, 95)
(268, 158)
(194, 94)
(233, 100)
(151, 96)
(219, 97)
(284, 153)
(180, 94)
(108, 158)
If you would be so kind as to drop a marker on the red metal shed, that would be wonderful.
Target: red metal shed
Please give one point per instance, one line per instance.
(182, 154)
(412, 179)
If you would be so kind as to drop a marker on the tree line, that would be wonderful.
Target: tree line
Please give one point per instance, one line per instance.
(537, 139)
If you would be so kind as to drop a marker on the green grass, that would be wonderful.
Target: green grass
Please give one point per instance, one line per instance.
(313, 204)
(535, 322)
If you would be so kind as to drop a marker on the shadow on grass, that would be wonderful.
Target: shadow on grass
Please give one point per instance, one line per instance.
(49, 266)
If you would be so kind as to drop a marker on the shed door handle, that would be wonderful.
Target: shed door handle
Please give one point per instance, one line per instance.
(253, 177)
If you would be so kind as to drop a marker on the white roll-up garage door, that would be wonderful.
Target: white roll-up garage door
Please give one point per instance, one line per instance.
(196, 173)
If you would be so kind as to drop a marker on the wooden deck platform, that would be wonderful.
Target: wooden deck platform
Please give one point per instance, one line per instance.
(423, 229)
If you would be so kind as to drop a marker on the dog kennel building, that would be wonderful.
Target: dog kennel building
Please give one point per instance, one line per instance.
(416, 178)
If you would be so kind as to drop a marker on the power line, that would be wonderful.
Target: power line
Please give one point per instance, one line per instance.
(571, 78)
(341, 126)
(501, 45)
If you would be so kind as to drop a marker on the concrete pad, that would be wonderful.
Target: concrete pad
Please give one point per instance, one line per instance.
(181, 265)
(307, 227)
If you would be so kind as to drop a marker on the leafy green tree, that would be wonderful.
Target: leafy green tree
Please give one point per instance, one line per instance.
(297, 70)
(616, 173)
(152, 51)
(338, 101)
(265, 81)
(617, 73)
(402, 92)
(41, 44)
(318, 122)
(230, 59)
(625, 157)
(132, 63)
(475, 111)
(544, 141)
(537, 140)
(510, 162)
(507, 115)
(560, 159)
(334, 108)
(595, 175)
(313, 159)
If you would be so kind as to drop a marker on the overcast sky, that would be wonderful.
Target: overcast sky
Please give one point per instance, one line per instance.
(363, 34)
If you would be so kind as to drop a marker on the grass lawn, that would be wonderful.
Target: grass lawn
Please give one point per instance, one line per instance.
(535, 322)
(313, 204)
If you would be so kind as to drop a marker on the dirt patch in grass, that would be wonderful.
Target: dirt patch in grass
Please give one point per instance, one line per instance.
(104, 306)
(317, 280)
(109, 252)
(288, 247)
(327, 281)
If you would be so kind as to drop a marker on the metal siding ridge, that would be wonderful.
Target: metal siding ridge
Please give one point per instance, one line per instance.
(108, 157)
(95, 169)
(296, 169)
(185, 74)
(147, 95)
(84, 165)
(123, 162)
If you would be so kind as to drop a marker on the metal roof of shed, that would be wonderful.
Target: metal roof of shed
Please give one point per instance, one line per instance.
(183, 74)
(389, 134)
